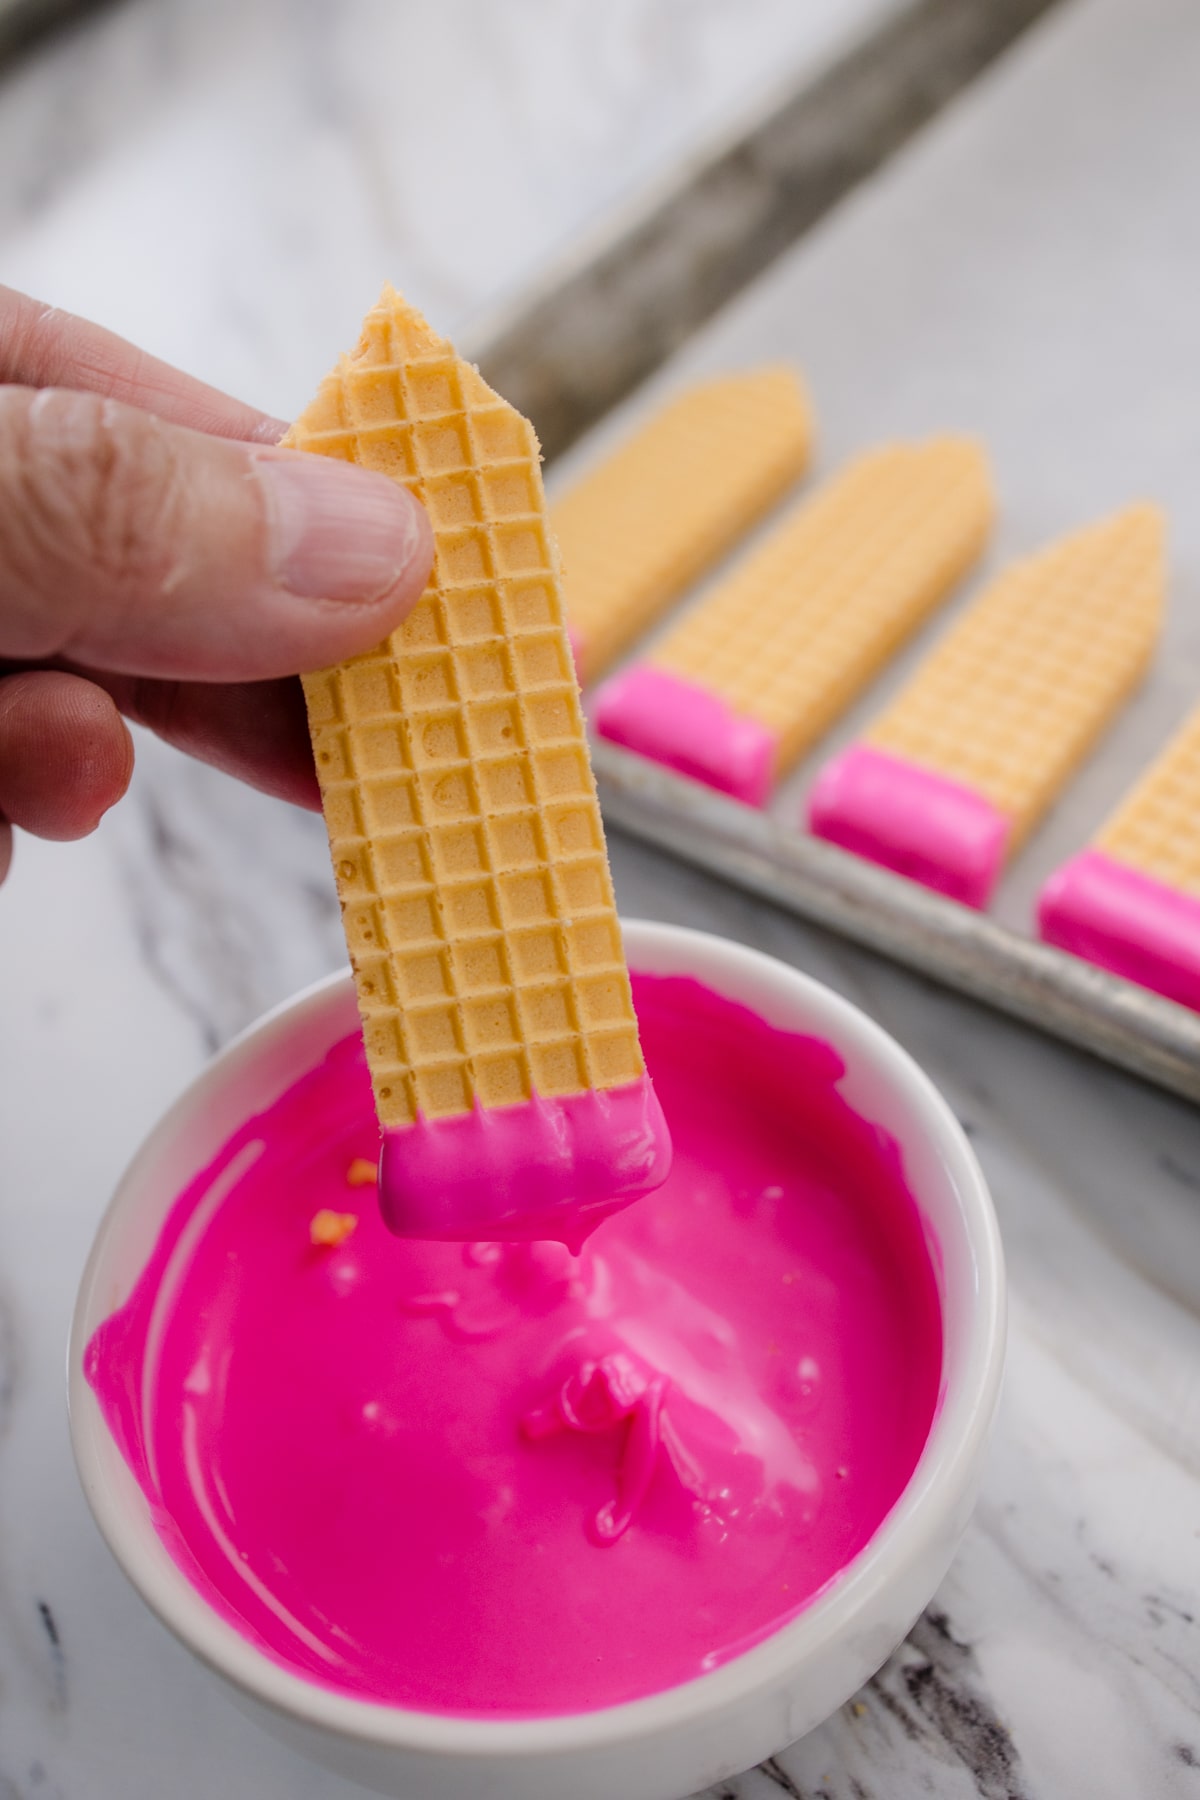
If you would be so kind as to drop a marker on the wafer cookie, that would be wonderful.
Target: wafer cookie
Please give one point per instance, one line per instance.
(465, 832)
(1131, 901)
(642, 526)
(976, 747)
(754, 674)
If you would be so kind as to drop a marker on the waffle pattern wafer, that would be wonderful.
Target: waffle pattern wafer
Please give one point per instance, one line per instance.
(464, 825)
(1131, 902)
(637, 530)
(1157, 828)
(754, 674)
(969, 756)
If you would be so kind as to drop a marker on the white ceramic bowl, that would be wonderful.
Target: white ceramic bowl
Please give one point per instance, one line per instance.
(670, 1743)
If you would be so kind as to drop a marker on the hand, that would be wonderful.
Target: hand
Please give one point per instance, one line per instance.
(161, 559)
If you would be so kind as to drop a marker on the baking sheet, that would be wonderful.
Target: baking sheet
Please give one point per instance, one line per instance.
(963, 949)
(1024, 270)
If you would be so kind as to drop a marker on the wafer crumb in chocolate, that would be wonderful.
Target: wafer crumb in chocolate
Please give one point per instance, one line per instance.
(362, 1173)
(328, 1229)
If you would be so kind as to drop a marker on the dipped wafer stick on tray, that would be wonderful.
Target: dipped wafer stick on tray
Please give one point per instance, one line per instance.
(1131, 901)
(466, 835)
(753, 675)
(669, 502)
(973, 751)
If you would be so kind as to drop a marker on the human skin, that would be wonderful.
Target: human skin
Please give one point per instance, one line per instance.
(161, 560)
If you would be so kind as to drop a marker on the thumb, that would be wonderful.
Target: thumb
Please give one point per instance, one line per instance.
(130, 544)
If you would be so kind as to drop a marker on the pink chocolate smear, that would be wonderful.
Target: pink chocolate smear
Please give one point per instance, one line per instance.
(545, 1168)
(892, 812)
(1124, 921)
(685, 727)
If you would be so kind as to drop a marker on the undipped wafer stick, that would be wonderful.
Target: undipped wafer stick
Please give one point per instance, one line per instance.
(1131, 901)
(755, 673)
(466, 835)
(644, 524)
(975, 748)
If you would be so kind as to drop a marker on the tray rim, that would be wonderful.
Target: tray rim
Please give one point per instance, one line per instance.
(968, 952)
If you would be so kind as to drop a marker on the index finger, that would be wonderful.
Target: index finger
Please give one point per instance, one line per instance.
(43, 347)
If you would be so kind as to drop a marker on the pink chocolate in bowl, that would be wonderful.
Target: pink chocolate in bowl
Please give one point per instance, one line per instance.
(690, 1445)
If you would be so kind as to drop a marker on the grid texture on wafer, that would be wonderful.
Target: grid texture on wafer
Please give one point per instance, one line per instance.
(1016, 693)
(806, 620)
(637, 530)
(458, 794)
(1156, 829)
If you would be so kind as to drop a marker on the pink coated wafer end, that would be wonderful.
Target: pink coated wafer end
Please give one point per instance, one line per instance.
(909, 819)
(1126, 922)
(687, 728)
(542, 1169)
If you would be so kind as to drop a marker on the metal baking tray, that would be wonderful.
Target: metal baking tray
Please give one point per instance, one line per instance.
(612, 314)
(963, 949)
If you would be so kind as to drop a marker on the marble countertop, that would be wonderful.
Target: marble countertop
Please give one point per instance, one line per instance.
(1028, 267)
(229, 182)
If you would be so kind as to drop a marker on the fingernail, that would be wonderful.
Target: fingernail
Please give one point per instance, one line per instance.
(335, 532)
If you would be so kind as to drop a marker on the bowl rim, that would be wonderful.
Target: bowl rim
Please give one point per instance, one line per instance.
(936, 1491)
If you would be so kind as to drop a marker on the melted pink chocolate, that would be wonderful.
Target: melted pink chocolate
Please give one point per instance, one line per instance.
(494, 1479)
(895, 813)
(1125, 921)
(546, 1168)
(685, 727)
